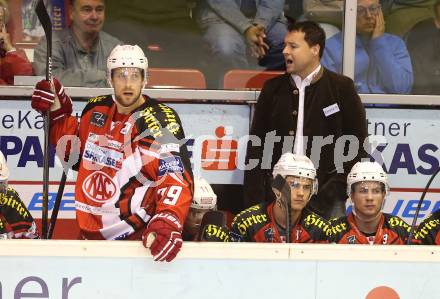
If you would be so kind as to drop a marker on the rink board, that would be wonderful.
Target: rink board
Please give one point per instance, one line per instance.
(112, 269)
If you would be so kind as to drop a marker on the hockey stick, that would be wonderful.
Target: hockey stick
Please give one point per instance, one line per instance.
(44, 19)
(281, 185)
(56, 207)
(419, 206)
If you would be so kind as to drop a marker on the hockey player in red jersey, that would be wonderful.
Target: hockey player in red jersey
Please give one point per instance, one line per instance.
(367, 186)
(134, 175)
(16, 221)
(267, 222)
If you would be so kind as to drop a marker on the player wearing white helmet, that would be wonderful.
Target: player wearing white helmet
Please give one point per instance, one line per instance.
(204, 200)
(269, 222)
(15, 220)
(367, 187)
(134, 175)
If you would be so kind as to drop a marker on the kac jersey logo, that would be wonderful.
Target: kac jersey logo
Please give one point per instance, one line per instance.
(99, 187)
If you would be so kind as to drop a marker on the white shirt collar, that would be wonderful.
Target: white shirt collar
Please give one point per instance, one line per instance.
(307, 80)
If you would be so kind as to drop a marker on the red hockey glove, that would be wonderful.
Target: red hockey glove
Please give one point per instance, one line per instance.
(43, 98)
(167, 231)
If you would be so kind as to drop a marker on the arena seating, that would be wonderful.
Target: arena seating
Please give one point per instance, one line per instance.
(247, 79)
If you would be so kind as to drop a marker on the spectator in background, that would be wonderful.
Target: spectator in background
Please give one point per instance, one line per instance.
(15, 220)
(165, 31)
(423, 43)
(12, 61)
(382, 62)
(232, 28)
(402, 15)
(79, 53)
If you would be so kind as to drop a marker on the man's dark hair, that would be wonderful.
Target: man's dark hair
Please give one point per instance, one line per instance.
(436, 8)
(313, 33)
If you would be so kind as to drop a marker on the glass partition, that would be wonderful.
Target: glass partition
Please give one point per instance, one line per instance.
(207, 44)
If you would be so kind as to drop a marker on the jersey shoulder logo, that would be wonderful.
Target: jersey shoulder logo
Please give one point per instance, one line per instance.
(97, 99)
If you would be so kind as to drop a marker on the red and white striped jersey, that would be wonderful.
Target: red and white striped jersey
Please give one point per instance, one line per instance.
(130, 167)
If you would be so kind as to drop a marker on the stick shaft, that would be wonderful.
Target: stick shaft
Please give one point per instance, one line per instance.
(45, 21)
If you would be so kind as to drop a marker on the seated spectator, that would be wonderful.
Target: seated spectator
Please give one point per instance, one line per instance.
(367, 186)
(204, 200)
(402, 15)
(328, 13)
(382, 62)
(15, 220)
(428, 232)
(423, 43)
(232, 28)
(163, 29)
(12, 61)
(268, 222)
(79, 53)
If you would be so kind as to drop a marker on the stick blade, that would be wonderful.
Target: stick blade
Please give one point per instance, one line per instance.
(281, 185)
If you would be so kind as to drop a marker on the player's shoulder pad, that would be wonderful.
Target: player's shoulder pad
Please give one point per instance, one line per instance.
(256, 209)
(312, 221)
(339, 226)
(10, 193)
(396, 223)
(159, 118)
(105, 100)
(431, 223)
(214, 233)
(251, 219)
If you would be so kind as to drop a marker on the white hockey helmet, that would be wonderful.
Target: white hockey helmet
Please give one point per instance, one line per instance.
(296, 165)
(204, 197)
(367, 171)
(4, 173)
(127, 56)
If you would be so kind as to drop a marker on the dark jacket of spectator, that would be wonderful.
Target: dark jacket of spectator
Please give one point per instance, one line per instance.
(424, 47)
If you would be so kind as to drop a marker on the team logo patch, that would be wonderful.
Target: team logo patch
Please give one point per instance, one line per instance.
(170, 165)
(93, 137)
(169, 147)
(269, 234)
(102, 156)
(351, 239)
(98, 119)
(99, 187)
